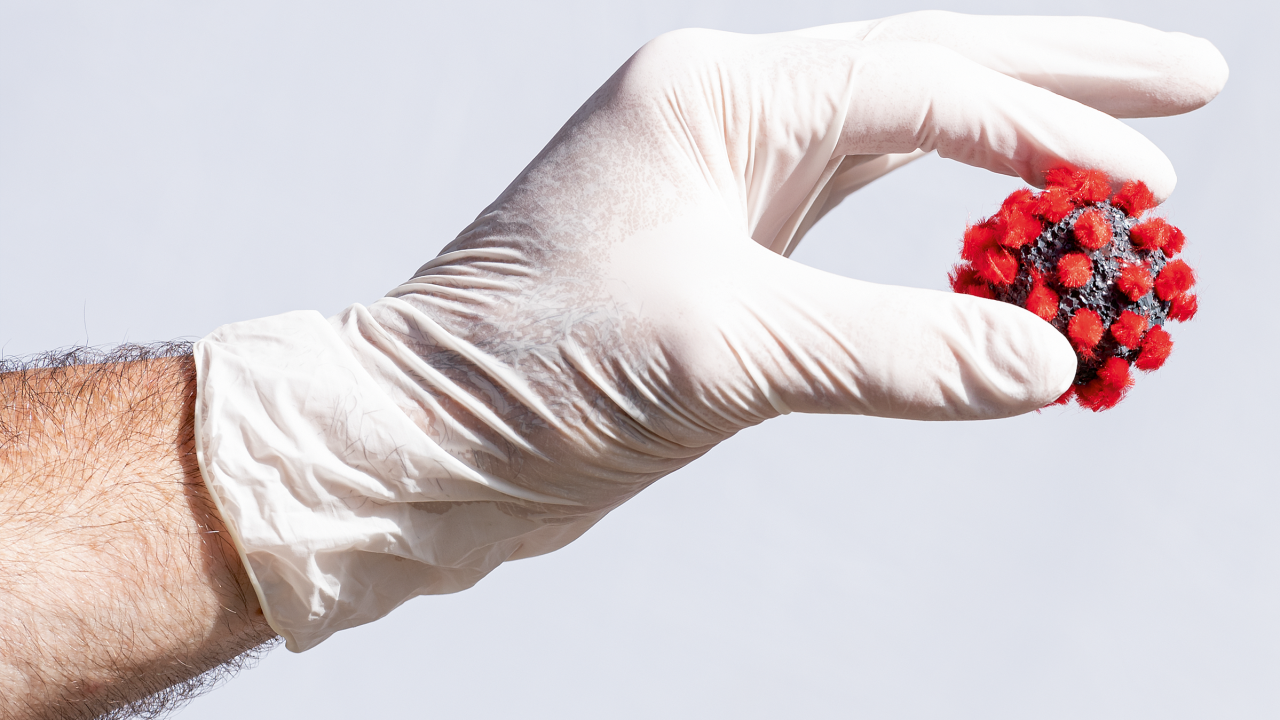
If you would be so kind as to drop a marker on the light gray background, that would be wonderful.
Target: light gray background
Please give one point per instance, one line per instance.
(169, 167)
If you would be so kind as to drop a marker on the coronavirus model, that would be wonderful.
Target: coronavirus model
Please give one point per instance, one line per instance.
(1085, 260)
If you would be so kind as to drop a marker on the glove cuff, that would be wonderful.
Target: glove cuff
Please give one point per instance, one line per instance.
(341, 506)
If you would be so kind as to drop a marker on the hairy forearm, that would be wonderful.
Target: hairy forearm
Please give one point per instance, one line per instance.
(117, 579)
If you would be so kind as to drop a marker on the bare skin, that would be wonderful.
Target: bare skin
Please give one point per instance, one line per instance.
(118, 583)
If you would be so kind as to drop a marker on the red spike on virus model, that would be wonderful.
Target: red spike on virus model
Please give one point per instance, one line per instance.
(1082, 259)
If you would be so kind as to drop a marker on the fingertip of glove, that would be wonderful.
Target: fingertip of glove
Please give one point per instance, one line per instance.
(1047, 360)
(1201, 73)
(1059, 360)
(1036, 362)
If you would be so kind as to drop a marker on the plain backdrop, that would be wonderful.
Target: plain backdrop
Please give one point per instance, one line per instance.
(169, 167)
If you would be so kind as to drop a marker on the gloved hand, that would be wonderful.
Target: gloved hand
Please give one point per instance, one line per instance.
(627, 303)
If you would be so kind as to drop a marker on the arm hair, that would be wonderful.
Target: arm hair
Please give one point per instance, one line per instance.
(121, 594)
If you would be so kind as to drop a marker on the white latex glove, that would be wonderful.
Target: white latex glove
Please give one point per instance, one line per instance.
(626, 303)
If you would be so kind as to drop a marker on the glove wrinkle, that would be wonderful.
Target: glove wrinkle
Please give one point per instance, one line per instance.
(394, 359)
(433, 334)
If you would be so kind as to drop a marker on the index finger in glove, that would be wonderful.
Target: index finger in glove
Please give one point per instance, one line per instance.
(1123, 69)
(933, 99)
(766, 120)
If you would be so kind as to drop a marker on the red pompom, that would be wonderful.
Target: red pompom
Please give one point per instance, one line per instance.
(965, 280)
(1156, 347)
(1092, 230)
(1085, 330)
(1020, 228)
(1134, 198)
(1108, 388)
(1116, 373)
(991, 262)
(1174, 244)
(1085, 186)
(1175, 279)
(1043, 301)
(1074, 270)
(1094, 188)
(978, 239)
(1063, 176)
(997, 266)
(1183, 307)
(1134, 281)
(1128, 329)
(1150, 235)
(1053, 204)
(1019, 202)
